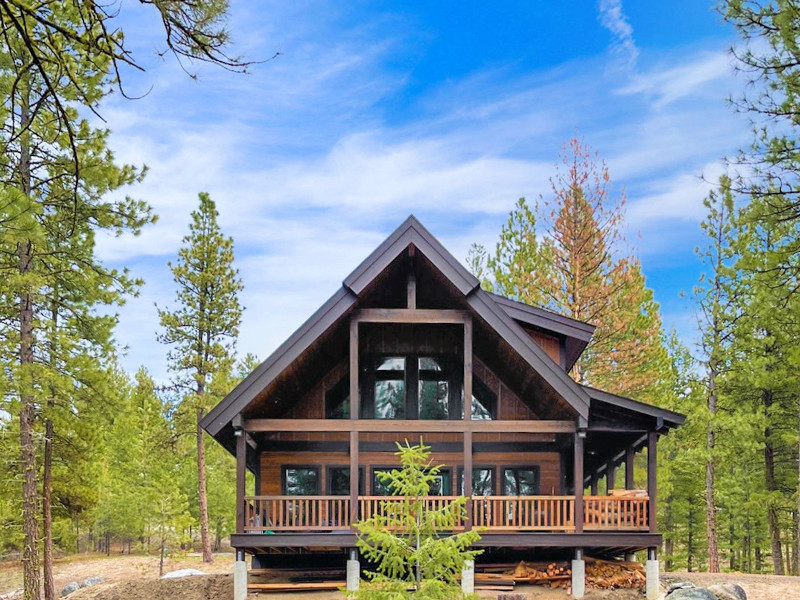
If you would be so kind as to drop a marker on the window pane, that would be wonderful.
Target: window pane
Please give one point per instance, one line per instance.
(379, 487)
(433, 399)
(521, 482)
(482, 483)
(479, 411)
(392, 363)
(301, 481)
(426, 363)
(340, 481)
(390, 399)
(441, 484)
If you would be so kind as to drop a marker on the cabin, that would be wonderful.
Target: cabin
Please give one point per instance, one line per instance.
(410, 348)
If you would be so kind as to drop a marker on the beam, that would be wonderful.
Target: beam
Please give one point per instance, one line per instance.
(652, 488)
(468, 419)
(611, 473)
(354, 414)
(413, 426)
(241, 478)
(578, 482)
(406, 315)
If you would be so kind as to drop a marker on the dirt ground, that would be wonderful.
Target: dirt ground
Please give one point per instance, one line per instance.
(136, 578)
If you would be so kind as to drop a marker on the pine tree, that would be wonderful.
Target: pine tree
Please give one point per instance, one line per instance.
(576, 264)
(717, 311)
(403, 539)
(202, 329)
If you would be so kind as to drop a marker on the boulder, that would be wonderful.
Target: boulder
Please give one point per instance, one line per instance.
(89, 581)
(72, 586)
(691, 594)
(727, 591)
(679, 585)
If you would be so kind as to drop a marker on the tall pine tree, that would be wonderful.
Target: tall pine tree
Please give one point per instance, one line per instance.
(202, 328)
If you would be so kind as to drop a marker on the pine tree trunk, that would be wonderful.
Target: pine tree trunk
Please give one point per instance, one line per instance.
(771, 486)
(205, 537)
(47, 513)
(797, 514)
(669, 540)
(30, 526)
(711, 510)
(690, 541)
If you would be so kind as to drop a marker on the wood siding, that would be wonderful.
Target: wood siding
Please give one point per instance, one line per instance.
(549, 464)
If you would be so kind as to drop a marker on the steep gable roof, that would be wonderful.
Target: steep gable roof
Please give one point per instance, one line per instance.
(485, 305)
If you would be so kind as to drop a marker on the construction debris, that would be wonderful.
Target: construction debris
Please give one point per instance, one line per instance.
(600, 574)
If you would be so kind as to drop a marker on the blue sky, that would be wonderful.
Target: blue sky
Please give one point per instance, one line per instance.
(448, 110)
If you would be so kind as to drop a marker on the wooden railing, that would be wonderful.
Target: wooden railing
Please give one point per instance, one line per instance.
(524, 513)
(296, 513)
(490, 513)
(611, 513)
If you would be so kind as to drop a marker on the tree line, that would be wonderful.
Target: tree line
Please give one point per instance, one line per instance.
(98, 457)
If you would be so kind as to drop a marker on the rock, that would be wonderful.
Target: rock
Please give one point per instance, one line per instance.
(727, 591)
(12, 595)
(72, 586)
(680, 585)
(89, 581)
(182, 573)
(691, 594)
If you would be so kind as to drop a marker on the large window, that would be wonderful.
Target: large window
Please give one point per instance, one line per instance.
(300, 481)
(339, 481)
(442, 485)
(521, 481)
(411, 387)
(482, 481)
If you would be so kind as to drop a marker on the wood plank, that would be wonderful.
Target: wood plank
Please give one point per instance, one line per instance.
(652, 441)
(630, 455)
(405, 315)
(424, 426)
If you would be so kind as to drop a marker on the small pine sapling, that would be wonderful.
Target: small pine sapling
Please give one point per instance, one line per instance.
(414, 543)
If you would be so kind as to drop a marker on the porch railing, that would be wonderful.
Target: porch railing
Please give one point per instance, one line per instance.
(490, 513)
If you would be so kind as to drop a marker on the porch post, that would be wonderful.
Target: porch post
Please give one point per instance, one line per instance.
(578, 574)
(594, 484)
(240, 576)
(354, 415)
(652, 489)
(241, 477)
(630, 454)
(652, 583)
(610, 476)
(468, 417)
(578, 480)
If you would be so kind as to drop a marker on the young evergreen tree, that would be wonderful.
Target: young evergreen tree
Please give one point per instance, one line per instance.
(403, 539)
(716, 301)
(202, 328)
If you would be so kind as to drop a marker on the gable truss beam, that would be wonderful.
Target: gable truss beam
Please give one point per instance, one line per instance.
(407, 315)
(412, 426)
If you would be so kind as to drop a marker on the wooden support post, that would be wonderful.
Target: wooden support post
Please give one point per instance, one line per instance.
(630, 455)
(468, 417)
(610, 476)
(354, 414)
(595, 480)
(241, 478)
(652, 489)
(578, 481)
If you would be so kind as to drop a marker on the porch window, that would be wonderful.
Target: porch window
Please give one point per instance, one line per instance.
(300, 481)
(433, 396)
(441, 486)
(337, 400)
(339, 481)
(482, 481)
(389, 400)
(521, 481)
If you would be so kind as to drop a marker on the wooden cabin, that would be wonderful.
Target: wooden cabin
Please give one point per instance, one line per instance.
(392, 356)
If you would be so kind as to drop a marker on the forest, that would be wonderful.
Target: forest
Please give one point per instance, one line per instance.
(103, 460)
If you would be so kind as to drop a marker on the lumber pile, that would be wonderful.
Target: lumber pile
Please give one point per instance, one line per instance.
(600, 574)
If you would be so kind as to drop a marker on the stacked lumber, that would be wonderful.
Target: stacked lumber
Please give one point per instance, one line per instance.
(607, 574)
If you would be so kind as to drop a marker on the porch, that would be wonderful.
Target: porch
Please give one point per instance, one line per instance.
(490, 514)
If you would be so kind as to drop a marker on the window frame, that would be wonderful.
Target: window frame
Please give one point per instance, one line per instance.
(491, 468)
(316, 468)
(376, 468)
(518, 467)
(329, 480)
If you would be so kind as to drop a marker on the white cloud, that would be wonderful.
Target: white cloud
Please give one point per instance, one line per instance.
(613, 18)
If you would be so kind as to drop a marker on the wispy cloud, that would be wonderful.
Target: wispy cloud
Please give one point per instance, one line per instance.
(613, 18)
(309, 174)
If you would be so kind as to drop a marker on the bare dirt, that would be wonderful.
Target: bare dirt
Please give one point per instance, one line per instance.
(136, 578)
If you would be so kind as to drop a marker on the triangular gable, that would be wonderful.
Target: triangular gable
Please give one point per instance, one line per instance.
(343, 301)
